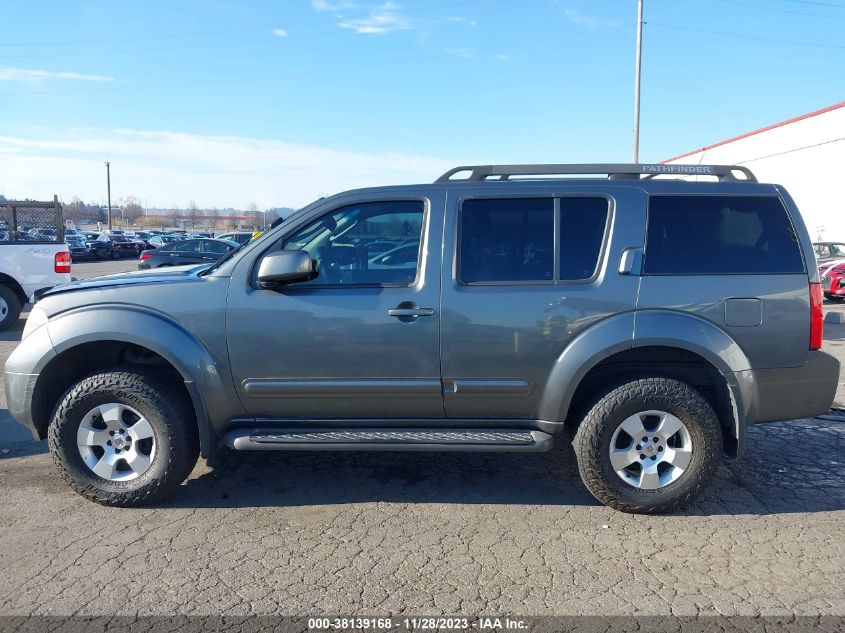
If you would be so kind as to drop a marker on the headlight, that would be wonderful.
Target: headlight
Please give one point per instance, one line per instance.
(37, 318)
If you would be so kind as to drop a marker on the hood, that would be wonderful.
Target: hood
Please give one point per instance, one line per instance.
(170, 275)
(825, 268)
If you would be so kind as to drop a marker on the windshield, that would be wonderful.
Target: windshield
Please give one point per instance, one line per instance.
(232, 253)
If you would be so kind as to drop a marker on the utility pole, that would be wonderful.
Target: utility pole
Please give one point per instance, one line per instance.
(108, 189)
(637, 75)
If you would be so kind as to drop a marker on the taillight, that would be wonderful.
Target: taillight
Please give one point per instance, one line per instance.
(145, 256)
(816, 317)
(62, 262)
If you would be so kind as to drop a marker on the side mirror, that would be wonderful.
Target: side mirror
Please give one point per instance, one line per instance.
(284, 267)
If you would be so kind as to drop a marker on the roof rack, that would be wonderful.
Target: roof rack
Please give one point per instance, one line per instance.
(480, 173)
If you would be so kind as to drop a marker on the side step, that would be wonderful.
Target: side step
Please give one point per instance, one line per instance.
(388, 440)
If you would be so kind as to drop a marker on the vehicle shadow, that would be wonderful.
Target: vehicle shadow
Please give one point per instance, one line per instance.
(789, 467)
(15, 440)
(14, 333)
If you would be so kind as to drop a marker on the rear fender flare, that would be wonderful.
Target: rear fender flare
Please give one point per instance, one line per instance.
(649, 328)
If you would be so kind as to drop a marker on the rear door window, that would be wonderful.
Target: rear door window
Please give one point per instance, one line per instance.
(507, 240)
(720, 235)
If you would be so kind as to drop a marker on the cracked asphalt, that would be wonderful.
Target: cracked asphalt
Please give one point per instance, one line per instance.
(389, 533)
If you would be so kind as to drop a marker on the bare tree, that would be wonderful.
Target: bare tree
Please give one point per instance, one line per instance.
(214, 213)
(254, 215)
(132, 209)
(175, 216)
(193, 213)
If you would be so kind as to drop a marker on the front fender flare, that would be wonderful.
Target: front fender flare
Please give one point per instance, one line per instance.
(157, 332)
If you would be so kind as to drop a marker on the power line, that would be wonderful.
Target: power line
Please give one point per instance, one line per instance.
(745, 36)
(264, 78)
(818, 4)
(789, 11)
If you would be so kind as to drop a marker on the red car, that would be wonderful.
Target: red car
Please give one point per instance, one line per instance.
(833, 279)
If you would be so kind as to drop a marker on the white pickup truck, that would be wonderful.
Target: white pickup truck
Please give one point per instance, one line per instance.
(33, 254)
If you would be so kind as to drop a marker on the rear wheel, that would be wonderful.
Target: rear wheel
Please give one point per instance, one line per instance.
(648, 445)
(10, 307)
(123, 438)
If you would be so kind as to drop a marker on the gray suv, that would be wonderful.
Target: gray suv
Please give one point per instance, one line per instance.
(652, 312)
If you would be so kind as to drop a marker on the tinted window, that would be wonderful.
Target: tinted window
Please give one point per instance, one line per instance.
(698, 235)
(509, 239)
(582, 227)
(345, 242)
(217, 248)
(188, 246)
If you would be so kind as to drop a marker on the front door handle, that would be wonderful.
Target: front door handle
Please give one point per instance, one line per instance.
(410, 312)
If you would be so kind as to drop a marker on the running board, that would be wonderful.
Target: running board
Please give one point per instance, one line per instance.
(388, 440)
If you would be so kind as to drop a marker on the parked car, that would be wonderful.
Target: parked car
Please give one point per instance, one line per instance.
(78, 248)
(115, 246)
(832, 275)
(829, 251)
(143, 237)
(657, 319)
(199, 251)
(241, 237)
(43, 234)
(157, 241)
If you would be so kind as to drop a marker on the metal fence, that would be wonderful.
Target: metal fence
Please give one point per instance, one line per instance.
(31, 221)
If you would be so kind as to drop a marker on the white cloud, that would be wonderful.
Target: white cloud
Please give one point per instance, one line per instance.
(462, 20)
(385, 18)
(463, 53)
(587, 21)
(502, 57)
(334, 7)
(31, 75)
(280, 32)
(171, 168)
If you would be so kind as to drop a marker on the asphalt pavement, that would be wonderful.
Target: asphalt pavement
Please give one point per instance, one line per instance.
(380, 533)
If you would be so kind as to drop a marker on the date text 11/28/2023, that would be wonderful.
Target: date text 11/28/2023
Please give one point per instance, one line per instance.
(417, 624)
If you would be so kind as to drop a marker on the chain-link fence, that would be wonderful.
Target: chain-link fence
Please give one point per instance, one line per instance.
(30, 221)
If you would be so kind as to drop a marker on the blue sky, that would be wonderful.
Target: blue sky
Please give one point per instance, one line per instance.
(228, 102)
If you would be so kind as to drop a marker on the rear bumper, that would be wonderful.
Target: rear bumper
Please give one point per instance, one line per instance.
(795, 392)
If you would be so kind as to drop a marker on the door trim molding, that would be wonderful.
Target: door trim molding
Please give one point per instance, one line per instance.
(334, 388)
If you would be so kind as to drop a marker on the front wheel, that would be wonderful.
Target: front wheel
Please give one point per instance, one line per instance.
(648, 445)
(123, 439)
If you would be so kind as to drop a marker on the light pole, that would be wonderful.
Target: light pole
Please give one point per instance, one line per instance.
(637, 74)
(108, 189)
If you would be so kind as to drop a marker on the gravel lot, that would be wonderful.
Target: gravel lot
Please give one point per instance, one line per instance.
(381, 533)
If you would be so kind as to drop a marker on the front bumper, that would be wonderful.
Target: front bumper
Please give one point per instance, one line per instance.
(19, 389)
(23, 368)
(833, 285)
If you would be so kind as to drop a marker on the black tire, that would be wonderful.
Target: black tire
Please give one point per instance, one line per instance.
(13, 307)
(638, 394)
(115, 254)
(172, 421)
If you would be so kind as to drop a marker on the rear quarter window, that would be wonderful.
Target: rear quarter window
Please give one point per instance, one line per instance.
(720, 235)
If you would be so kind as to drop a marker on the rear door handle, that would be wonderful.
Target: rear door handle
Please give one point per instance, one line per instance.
(410, 312)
